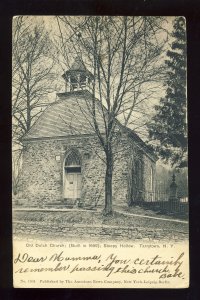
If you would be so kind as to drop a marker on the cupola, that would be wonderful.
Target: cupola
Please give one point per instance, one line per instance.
(78, 78)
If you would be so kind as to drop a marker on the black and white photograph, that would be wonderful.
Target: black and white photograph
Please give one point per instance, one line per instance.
(99, 152)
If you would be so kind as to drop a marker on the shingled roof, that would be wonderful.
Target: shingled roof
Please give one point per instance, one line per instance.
(70, 116)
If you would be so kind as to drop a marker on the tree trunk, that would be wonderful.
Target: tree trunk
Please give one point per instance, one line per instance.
(108, 184)
(28, 121)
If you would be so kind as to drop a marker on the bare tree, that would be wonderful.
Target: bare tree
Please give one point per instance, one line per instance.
(16, 172)
(125, 56)
(32, 73)
(32, 79)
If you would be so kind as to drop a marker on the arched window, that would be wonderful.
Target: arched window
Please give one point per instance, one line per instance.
(72, 160)
(73, 163)
(151, 194)
(151, 179)
(139, 176)
(138, 172)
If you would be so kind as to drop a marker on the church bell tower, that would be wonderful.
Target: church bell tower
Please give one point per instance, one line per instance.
(78, 78)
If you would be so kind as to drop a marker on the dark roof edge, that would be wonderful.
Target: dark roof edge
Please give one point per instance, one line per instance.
(61, 137)
(74, 93)
(77, 71)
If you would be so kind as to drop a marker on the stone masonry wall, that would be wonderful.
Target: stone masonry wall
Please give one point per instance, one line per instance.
(131, 154)
(42, 173)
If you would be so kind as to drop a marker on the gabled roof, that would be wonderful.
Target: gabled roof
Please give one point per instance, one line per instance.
(70, 116)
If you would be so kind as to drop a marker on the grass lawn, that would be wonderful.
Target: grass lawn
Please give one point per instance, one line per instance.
(138, 210)
(95, 218)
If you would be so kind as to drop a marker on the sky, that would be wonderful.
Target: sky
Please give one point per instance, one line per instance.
(51, 26)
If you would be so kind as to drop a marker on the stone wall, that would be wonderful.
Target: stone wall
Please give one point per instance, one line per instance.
(143, 189)
(42, 173)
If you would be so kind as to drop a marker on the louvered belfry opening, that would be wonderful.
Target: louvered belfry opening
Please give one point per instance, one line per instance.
(78, 78)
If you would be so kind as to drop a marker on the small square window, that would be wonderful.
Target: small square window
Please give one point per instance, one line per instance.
(57, 157)
(87, 155)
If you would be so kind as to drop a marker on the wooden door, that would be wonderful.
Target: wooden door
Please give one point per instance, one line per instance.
(72, 185)
(78, 185)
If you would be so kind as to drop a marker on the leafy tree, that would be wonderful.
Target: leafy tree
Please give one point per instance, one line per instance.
(168, 127)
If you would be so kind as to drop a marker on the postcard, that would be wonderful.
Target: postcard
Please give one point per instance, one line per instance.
(99, 143)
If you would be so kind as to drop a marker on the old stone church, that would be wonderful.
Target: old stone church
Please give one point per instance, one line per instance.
(63, 160)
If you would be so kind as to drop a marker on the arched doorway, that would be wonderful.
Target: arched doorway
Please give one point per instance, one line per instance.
(72, 176)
